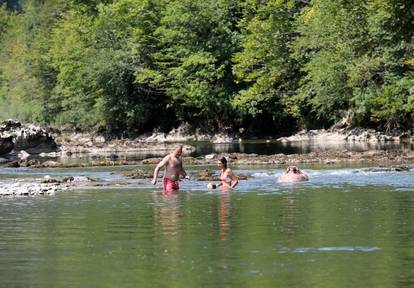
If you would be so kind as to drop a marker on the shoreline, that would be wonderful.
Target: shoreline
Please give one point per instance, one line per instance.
(327, 157)
(28, 145)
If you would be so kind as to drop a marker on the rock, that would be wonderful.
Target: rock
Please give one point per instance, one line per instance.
(50, 155)
(152, 161)
(98, 139)
(182, 133)
(23, 155)
(136, 174)
(222, 138)
(68, 179)
(397, 168)
(82, 179)
(6, 144)
(29, 162)
(19, 188)
(13, 164)
(205, 175)
(243, 176)
(51, 164)
(48, 179)
(339, 135)
(156, 137)
(9, 124)
(211, 156)
(31, 138)
(210, 175)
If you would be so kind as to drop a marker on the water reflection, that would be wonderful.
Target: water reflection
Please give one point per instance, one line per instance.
(167, 213)
(224, 215)
(299, 237)
(290, 215)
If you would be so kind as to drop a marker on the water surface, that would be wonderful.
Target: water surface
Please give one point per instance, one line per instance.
(345, 228)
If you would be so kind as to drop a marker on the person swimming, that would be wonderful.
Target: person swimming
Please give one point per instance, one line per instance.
(228, 179)
(293, 174)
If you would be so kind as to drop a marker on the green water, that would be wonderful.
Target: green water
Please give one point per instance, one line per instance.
(358, 232)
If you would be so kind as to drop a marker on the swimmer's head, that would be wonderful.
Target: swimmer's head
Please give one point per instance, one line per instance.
(222, 163)
(293, 169)
(178, 151)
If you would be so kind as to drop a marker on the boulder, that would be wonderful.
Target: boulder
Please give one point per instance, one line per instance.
(23, 155)
(9, 124)
(222, 138)
(211, 156)
(31, 138)
(6, 144)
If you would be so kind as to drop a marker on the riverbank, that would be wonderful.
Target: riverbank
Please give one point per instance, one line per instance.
(27, 145)
(327, 157)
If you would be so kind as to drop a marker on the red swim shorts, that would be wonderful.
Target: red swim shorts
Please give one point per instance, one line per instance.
(169, 185)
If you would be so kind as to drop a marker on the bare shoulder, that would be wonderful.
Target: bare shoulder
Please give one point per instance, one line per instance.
(166, 159)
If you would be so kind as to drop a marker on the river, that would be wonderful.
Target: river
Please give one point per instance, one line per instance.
(344, 228)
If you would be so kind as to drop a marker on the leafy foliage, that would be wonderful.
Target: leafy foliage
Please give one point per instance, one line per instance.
(132, 66)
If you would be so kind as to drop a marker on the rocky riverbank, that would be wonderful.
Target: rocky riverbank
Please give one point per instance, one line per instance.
(348, 135)
(241, 159)
(18, 142)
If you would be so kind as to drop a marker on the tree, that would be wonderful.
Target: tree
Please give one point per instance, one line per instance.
(193, 66)
(331, 36)
(265, 65)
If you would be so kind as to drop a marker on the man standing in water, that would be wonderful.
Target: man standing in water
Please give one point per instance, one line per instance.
(173, 170)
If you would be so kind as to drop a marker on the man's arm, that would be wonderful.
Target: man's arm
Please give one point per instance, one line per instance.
(183, 173)
(157, 169)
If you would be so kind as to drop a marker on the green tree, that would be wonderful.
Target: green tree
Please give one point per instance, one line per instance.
(193, 67)
(265, 65)
(332, 34)
(98, 58)
(382, 78)
(28, 77)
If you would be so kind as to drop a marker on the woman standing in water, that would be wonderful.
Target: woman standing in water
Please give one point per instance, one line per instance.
(228, 180)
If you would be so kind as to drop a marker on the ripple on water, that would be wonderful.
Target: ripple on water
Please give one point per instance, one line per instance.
(329, 249)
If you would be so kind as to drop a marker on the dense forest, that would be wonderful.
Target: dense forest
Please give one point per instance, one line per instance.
(259, 66)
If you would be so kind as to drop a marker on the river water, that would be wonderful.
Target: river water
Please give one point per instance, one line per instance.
(261, 147)
(344, 228)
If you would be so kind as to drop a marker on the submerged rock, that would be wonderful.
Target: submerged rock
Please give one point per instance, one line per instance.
(136, 174)
(30, 189)
(399, 168)
(55, 164)
(13, 164)
(211, 175)
(70, 179)
(205, 175)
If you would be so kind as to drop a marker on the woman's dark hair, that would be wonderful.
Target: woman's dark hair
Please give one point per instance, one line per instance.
(223, 160)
